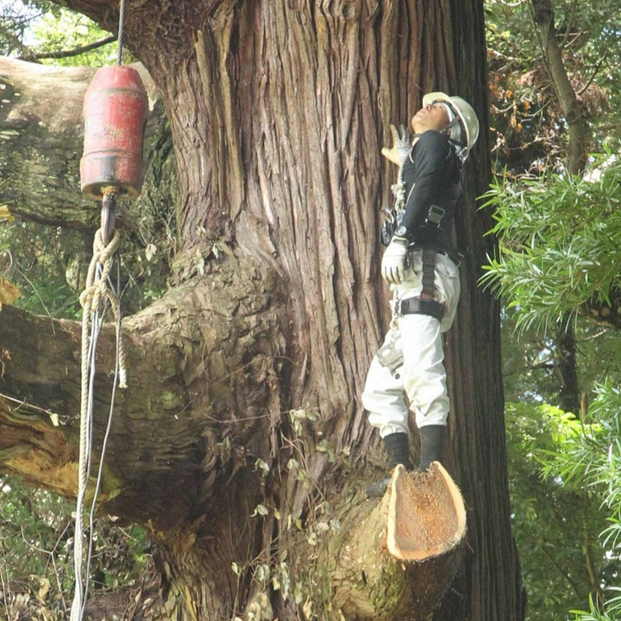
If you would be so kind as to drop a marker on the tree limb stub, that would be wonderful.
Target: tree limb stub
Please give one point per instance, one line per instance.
(41, 133)
(198, 401)
(404, 553)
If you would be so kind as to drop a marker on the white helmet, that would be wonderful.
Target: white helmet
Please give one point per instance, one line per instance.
(468, 122)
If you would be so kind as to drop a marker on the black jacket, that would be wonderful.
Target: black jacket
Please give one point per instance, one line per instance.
(431, 175)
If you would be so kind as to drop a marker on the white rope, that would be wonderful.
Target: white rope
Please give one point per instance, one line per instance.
(117, 369)
(94, 296)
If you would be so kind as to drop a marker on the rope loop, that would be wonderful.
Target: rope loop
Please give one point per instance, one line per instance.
(97, 291)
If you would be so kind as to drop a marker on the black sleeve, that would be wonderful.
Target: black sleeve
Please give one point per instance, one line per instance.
(424, 177)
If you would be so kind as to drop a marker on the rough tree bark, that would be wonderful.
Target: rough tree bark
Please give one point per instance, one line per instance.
(245, 377)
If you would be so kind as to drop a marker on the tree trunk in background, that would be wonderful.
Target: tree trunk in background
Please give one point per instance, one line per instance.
(576, 159)
(577, 145)
(565, 354)
(278, 111)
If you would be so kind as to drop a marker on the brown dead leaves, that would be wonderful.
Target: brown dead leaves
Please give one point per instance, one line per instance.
(8, 292)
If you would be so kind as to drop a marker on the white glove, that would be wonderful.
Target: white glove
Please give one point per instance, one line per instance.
(402, 143)
(395, 261)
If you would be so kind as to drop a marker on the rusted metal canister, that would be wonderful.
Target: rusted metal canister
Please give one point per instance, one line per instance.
(115, 112)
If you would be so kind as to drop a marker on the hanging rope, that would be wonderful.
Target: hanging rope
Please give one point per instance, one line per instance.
(98, 294)
(93, 300)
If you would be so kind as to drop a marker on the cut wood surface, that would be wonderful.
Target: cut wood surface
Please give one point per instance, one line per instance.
(426, 514)
(404, 553)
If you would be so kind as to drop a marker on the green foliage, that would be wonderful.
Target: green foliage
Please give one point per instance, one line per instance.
(49, 266)
(594, 456)
(16, 19)
(564, 477)
(45, 264)
(528, 364)
(528, 129)
(29, 28)
(67, 30)
(36, 554)
(553, 522)
(558, 242)
(593, 459)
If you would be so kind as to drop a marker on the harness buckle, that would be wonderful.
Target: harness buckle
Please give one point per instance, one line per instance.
(435, 215)
(390, 357)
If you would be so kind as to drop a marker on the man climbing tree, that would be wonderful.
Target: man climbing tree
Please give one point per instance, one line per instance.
(240, 443)
(421, 266)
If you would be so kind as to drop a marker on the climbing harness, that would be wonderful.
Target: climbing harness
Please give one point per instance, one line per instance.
(115, 109)
(394, 214)
(426, 303)
(390, 355)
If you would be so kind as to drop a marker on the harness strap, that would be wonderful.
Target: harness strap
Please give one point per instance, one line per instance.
(429, 274)
(418, 306)
(426, 304)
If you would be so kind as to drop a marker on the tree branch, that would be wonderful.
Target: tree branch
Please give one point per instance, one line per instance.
(69, 53)
(543, 16)
(191, 384)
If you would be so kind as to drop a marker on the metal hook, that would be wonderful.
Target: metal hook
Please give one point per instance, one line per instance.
(108, 216)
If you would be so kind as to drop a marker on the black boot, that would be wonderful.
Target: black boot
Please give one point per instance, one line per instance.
(431, 445)
(397, 447)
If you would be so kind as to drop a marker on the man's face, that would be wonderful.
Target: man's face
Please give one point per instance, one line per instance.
(433, 116)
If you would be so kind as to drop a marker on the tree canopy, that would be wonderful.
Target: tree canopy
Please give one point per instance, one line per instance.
(556, 270)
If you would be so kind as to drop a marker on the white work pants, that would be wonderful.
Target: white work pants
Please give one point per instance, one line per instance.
(422, 377)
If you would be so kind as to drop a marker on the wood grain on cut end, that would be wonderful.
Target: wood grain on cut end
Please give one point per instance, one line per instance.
(426, 514)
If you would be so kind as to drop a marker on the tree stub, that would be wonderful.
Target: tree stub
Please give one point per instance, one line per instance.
(426, 514)
(405, 552)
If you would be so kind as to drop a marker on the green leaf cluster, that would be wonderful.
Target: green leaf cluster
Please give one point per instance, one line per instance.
(36, 554)
(48, 265)
(67, 30)
(559, 241)
(591, 460)
(29, 28)
(554, 519)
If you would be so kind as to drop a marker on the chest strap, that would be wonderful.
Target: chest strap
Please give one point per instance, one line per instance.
(426, 304)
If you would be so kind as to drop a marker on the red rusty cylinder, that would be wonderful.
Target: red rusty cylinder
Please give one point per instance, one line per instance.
(115, 112)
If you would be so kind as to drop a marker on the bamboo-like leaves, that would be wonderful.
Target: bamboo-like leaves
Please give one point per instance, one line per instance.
(559, 242)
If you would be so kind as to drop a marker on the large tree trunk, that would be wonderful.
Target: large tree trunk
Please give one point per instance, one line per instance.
(245, 378)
